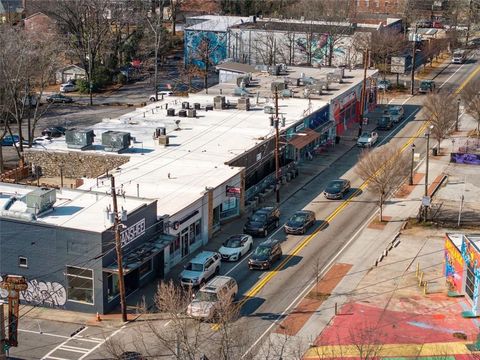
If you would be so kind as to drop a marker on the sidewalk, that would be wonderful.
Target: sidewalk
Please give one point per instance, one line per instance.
(375, 304)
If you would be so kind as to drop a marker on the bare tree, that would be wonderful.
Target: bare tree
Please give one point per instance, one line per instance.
(86, 25)
(471, 97)
(441, 111)
(264, 47)
(384, 168)
(384, 44)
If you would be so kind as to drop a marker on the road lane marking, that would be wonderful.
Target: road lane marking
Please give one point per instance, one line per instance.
(103, 342)
(44, 333)
(74, 349)
(259, 286)
(56, 358)
(64, 343)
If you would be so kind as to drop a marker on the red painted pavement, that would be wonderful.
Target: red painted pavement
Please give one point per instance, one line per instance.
(418, 326)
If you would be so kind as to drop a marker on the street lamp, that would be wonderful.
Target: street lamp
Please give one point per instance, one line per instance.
(426, 198)
(411, 165)
(458, 114)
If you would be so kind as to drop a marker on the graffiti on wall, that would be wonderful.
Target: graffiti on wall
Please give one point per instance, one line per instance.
(41, 293)
(200, 44)
(453, 265)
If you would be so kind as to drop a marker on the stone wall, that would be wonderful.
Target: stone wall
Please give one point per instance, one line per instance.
(75, 164)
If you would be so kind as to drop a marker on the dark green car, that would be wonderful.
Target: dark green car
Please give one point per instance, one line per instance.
(426, 86)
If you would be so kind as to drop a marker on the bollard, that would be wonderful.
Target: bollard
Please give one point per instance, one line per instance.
(418, 270)
(425, 288)
(420, 282)
(98, 317)
(336, 309)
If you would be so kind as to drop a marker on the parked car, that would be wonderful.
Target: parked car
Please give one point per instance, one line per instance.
(208, 299)
(385, 122)
(396, 113)
(59, 98)
(367, 139)
(68, 87)
(384, 85)
(265, 255)
(300, 222)
(235, 247)
(153, 98)
(201, 268)
(262, 221)
(336, 189)
(426, 86)
(54, 131)
(9, 140)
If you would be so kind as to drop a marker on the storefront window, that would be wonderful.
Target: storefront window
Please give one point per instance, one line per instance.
(145, 268)
(79, 284)
(113, 288)
(229, 208)
(192, 233)
(198, 229)
(175, 246)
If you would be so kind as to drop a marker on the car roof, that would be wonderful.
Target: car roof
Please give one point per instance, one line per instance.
(216, 282)
(202, 257)
(265, 209)
(303, 212)
(269, 243)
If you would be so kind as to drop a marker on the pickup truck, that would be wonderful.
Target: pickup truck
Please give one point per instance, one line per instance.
(426, 86)
(396, 113)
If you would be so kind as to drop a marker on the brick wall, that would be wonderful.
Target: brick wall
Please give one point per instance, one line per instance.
(75, 164)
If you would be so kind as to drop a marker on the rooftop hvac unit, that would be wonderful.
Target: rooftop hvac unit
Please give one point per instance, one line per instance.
(334, 77)
(274, 70)
(243, 104)
(116, 141)
(185, 105)
(278, 86)
(219, 102)
(244, 79)
(79, 139)
(191, 113)
(196, 106)
(160, 131)
(269, 109)
(171, 112)
(40, 200)
(340, 72)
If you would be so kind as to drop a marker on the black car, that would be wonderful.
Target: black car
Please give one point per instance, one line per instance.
(336, 189)
(262, 221)
(300, 222)
(59, 98)
(54, 131)
(265, 255)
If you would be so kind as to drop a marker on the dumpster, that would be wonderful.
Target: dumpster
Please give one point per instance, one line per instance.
(434, 151)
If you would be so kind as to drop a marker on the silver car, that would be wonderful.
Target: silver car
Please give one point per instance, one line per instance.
(367, 139)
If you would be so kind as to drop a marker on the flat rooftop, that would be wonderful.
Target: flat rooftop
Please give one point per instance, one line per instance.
(177, 175)
(76, 209)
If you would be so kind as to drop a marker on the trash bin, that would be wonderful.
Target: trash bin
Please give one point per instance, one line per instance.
(337, 139)
(434, 151)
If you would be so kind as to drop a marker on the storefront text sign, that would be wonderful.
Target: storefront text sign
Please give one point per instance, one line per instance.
(233, 191)
(133, 232)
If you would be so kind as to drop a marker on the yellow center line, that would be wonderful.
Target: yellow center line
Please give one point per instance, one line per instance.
(259, 286)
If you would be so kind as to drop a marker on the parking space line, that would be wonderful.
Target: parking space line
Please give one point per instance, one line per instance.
(64, 343)
(103, 341)
(93, 340)
(56, 358)
(44, 333)
(74, 349)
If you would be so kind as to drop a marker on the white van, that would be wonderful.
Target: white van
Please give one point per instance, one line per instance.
(459, 56)
(219, 291)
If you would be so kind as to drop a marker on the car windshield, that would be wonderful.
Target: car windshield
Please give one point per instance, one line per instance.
(233, 242)
(194, 267)
(258, 218)
(206, 296)
(262, 251)
(300, 217)
(394, 111)
(335, 185)
(365, 135)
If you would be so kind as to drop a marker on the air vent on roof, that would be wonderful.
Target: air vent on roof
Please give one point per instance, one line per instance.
(278, 86)
(243, 104)
(79, 139)
(40, 200)
(116, 141)
(219, 102)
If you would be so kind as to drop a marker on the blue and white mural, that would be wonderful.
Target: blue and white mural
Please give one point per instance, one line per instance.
(198, 43)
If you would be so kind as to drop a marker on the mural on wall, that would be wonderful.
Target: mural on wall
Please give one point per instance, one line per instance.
(200, 45)
(344, 111)
(453, 266)
(41, 293)
(317, 46)
(471, 256)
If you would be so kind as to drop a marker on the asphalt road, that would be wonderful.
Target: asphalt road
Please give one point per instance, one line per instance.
(267, 296)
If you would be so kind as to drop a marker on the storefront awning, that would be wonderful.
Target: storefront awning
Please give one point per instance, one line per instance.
(134, 258)
(303, 138)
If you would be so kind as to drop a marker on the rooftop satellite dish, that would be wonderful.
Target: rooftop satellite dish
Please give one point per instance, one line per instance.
(177, 122)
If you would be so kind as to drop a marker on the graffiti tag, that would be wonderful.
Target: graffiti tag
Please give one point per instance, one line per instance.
(42, 293)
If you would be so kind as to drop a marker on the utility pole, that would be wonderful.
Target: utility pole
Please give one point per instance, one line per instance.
(118, 248)
(427, 134)
(458, 114)
(411, 164)
(277, 150)
(414, 59)
(363, 95)
(469, 24)
(155, 30)
(13, 284)
(3, 342)
(29, 121)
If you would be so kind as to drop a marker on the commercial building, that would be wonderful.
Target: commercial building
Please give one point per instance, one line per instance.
(183, 166)
(62, 241)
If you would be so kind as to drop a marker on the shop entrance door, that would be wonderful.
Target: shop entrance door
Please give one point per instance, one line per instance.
(131, 281)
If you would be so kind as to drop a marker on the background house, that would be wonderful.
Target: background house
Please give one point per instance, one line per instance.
(70, 72)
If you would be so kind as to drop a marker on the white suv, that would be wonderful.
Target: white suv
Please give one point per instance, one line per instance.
(201, 268)
(218, 293)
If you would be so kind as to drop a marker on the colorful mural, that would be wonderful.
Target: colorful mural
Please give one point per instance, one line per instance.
(199, 44)
(453, 265)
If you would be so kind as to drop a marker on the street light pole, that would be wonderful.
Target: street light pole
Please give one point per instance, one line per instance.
(425, 210)
(411, 165)
(363, 95)
(118, 248)
(458, 114)
(414, 59)
(277, 151)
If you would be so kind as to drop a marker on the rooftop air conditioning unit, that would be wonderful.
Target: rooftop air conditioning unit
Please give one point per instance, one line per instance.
(116, 141)
(79, 139)
(40, 200)
(243, 104)
(219, 102)
(269, 109)
(278, 86)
